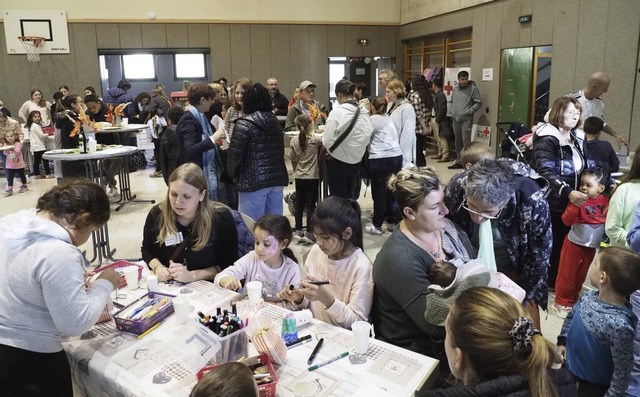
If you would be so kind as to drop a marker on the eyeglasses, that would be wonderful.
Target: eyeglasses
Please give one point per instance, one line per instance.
(572, 112)
(465, 205)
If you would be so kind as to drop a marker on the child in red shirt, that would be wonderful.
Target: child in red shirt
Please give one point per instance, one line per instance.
(579, 246)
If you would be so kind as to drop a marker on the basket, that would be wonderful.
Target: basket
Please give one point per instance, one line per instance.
(233, 347)
(140, 326)
(267, 389)
(118, 265)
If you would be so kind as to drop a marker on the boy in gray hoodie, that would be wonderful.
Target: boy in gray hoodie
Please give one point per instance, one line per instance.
(465, 102)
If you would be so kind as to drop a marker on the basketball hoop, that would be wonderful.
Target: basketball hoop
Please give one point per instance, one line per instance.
(32, 45)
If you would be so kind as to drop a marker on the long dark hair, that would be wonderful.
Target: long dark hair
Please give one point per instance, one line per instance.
(334, 215)
(419, 85)
(32, 113)
(256, 98)
(279, 227)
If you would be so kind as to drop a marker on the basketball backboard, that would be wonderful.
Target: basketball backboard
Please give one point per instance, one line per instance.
(50, 24)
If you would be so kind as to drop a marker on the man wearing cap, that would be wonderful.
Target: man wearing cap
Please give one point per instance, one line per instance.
(306, 104)
(278, 100)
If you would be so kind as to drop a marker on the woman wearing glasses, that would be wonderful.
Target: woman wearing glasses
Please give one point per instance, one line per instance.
(558, 157)
(424, 236)
(501, 205)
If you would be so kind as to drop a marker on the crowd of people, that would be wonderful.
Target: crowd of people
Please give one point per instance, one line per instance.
(539, 224)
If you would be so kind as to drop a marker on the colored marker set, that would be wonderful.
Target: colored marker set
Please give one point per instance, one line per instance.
(144, 313)
(223, 323)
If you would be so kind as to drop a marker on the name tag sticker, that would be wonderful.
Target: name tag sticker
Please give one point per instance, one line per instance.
(173, 240)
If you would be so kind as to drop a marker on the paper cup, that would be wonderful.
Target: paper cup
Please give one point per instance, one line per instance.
(181, 308)
(152, 284)
(360, 331)
(131, 276)
(254, 290)
(305, 389)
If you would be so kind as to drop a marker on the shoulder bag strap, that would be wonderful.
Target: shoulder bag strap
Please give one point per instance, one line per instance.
(180, 248)
(346, 132)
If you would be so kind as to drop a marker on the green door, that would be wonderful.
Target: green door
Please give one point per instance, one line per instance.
(515, 84)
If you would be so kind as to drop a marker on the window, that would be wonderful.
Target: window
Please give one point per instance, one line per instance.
(190, 66)
(139, 67)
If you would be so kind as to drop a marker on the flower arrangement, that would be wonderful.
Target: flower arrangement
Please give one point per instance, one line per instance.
(82, 119)
(115, 111)
(314, 113)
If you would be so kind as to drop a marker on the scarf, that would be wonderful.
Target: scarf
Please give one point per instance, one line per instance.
(210, 159)
(486, 247)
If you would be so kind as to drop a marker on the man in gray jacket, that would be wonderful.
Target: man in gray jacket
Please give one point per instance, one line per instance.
(465, 102)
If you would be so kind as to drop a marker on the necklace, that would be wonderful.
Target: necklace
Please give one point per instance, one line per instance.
(435, 253)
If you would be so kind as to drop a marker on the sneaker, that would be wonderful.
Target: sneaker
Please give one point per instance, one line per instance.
(38, 176)
(298, 234)
(156, 174)
(562, 311)
(23, 189)
(8, 192)
(455, 166)
(50, 176)
(309, 238)
(371, 229)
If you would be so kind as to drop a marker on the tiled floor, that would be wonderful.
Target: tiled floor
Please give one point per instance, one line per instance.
(125, 226)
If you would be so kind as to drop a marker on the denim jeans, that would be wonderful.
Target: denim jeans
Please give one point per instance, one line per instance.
(264, 201)
(634, 379)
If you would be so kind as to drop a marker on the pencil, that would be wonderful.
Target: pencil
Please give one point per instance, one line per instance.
(147, 332)
(321, 282)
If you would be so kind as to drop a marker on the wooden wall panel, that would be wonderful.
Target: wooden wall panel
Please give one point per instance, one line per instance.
(177, 36)
(220, 50)
(130, 35)
(319, 60)
(542, 25)
(240, 42)
(198, 35)
(371, 33)
(280, 58)
(87, 64)
(336, 40)
(299, 54)
(260, 54)
(351, 36)
(389, 41)
(108, 35)
(154, 35)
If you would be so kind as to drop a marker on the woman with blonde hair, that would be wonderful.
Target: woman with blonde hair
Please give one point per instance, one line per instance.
(495, 350)
(400, 271)
(188, 237)
(404, 118)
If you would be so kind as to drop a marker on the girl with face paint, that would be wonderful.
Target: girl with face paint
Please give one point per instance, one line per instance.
(271, 262)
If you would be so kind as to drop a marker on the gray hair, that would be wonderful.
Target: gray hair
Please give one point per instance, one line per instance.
(491, 181)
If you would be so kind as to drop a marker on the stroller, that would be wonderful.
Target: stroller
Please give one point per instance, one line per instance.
(510, 146)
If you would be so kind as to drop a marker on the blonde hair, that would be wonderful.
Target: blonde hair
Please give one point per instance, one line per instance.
(410, 186)
(475, 151)
(479, 324)
(190, 174)
(397, 87)
(387, 74)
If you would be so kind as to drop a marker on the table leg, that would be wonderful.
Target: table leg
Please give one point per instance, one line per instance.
(125, 186)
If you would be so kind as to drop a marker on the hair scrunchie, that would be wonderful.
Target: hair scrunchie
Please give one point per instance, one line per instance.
(522, 334)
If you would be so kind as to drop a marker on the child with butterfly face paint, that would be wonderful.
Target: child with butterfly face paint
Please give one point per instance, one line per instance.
(271, 262)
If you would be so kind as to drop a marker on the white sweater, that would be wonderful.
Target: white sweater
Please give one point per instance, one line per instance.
(37, 138)
(353, 147)
(43, 299)
(404, 118)
(384, 141)
(351, 282)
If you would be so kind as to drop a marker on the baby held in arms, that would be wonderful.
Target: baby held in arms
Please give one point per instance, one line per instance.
(449, 280)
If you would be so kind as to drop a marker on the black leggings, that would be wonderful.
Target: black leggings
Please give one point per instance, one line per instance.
(342, 178)
(13, 173)
(37, 158)
(24, 373)
(306, 198)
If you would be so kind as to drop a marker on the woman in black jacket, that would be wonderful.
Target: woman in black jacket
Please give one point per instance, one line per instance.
(256, 156)
(558, 157)
(496, 351)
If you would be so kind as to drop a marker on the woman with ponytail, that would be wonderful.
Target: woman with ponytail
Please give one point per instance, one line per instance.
(494, 350)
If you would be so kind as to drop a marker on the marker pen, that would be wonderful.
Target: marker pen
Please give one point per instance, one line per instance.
(329, 361)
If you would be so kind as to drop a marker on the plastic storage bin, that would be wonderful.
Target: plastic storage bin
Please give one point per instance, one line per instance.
(139, 326)
(267, 389)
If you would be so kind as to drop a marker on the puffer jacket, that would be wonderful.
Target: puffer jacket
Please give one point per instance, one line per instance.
(116, 96)
(553, 159)
(525, 224)
(507, 386)
(256, 153)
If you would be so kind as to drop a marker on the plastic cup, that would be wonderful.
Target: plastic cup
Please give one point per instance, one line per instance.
(181, 308)
(152, 284)
(125, 121)
(254, 290)
(305, 389)
(131, 276)
(361, 331)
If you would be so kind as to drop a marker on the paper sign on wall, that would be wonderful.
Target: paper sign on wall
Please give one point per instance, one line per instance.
(487, 74)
